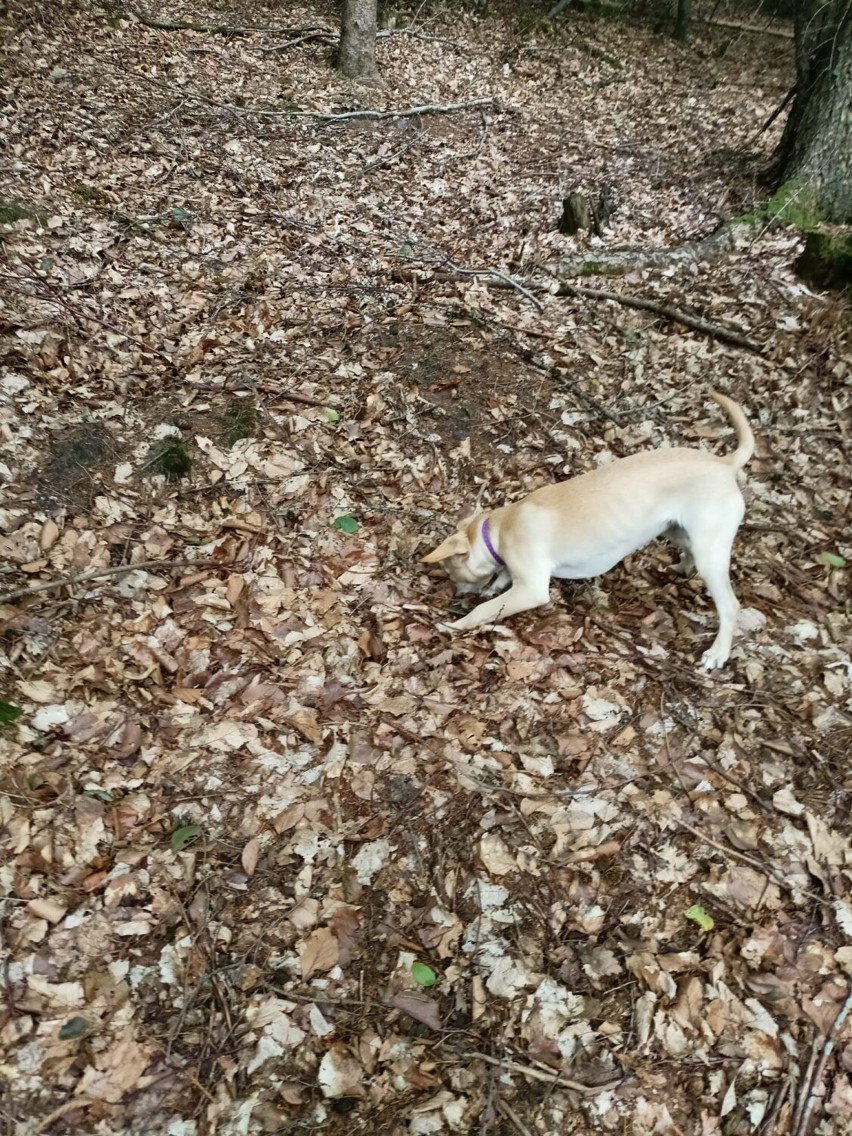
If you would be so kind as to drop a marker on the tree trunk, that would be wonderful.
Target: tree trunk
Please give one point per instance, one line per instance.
(357, 57)
(816, 146)
(681, 28)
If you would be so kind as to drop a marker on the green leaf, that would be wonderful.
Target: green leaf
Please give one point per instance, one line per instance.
(698, 915)
(831, 559)
(74, 1027)
(179, 214)
(99, 794)
(332, 415)
(46, 263)
(184, 835)
(423, 975)
(346, 524)
(9, 713)
(406, 252)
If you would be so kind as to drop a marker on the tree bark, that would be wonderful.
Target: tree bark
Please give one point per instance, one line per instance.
(816, 146)
(357, 57)
(681, 28)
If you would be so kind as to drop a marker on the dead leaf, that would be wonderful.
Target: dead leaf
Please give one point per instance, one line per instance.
(249, 856)
(115, 1071)
(318, 952)
(418, 1006)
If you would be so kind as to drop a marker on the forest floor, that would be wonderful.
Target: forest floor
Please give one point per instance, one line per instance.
(278, 854)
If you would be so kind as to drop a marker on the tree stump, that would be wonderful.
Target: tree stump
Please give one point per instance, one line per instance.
(578, 212)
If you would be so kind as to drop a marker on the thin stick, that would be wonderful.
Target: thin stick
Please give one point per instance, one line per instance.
(555, 1079)
(803, 1091)
(496, 276)
(216, 29)
(325, 36)
(827, 1050)
(58, 300)
(112, 570)
(779, 881)
(506, 1109)
(324, 116)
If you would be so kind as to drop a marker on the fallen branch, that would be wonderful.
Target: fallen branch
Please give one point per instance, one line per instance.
(783, 33)
(99, 573)
(326, 116)
(292, 396)
(558, 375)
(506, 1110)
(408, 112)
(502, 280)
(752, 862)
(675, 314)
(615, 262)
(215, 29)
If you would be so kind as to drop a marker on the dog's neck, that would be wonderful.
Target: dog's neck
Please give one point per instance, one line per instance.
(486, 540)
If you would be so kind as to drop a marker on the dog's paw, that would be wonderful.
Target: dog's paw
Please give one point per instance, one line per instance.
(712, 660)
(449, 627)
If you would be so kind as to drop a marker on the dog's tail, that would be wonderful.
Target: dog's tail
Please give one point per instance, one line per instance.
(745, 438)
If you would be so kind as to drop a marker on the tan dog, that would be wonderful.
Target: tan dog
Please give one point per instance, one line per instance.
(582, 527)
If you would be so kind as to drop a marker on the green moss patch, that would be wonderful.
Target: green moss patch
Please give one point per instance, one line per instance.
(239, 420)
(826, 261)
(171, 459)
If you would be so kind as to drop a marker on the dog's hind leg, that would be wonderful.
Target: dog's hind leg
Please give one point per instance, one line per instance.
(712, 561)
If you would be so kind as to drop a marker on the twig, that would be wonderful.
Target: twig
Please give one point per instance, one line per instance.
(215, 29)
(806, 1103)
(112, 570)
(768, 1128)
(326, 37)
(779, 881)
(69, 1106)
(291, 396)
(58, 300)
(384, 158)
(566, 289)
(328, 116)
(555, 1078)
(513, 1118)
(783, 33)
(803, 1091)
(496, 277)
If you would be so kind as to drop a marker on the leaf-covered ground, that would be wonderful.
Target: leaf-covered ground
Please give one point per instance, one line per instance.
(250, 789)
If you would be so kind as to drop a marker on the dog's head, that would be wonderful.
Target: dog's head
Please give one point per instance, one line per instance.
(455, 553)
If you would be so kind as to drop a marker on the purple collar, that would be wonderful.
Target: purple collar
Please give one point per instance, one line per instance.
(487, 540)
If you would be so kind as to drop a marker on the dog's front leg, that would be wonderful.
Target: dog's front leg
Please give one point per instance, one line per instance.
(523, 595)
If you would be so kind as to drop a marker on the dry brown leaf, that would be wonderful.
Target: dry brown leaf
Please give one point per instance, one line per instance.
(319, 952)
(418, 1006)
(249, 856)
(115, 1071)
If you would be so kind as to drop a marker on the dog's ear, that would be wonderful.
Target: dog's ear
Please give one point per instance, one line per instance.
(455, 545)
